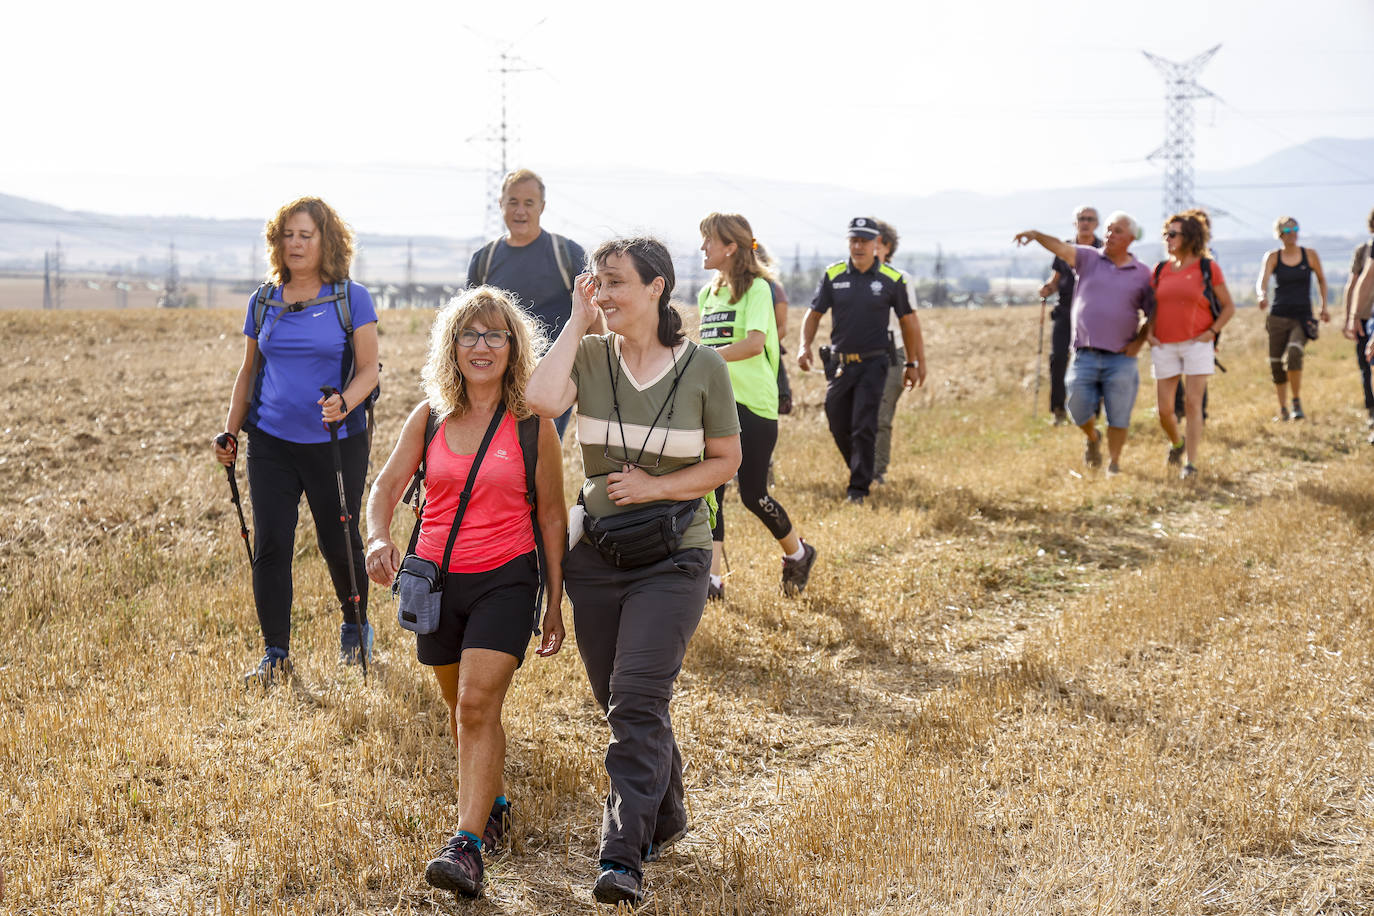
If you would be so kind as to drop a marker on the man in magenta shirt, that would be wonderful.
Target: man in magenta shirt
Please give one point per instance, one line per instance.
(1112, 307)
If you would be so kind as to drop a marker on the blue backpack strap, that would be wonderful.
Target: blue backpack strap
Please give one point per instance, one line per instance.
(260, 303)
(528, 433)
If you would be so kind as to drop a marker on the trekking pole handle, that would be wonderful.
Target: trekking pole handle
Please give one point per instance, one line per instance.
(329, 391)
(228, 440)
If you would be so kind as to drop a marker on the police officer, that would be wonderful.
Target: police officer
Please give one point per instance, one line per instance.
(861, 291)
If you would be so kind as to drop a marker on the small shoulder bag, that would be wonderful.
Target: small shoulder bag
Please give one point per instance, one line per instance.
(419, 584)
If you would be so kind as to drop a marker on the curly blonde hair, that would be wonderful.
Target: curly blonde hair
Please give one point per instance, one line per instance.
(442, 375)
(336, 240)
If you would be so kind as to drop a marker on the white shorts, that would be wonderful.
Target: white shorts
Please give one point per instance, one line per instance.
(1192, 357)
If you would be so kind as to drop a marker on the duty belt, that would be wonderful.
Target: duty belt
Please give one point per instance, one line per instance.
(856, 357)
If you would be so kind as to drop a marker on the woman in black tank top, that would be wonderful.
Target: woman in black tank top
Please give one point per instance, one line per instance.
(1292, 267)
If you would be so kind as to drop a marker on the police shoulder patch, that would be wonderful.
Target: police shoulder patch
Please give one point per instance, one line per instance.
(834, 270)
(890, 272)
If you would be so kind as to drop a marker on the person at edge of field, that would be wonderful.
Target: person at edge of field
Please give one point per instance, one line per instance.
(657, 424)
(481, 352)
(531, 263)
(892, 386)
(1183, 334)
(739, 322)
(1112, 306)
(862, 291)
(1292, 268)
(276, 398)
(1061, 316)
(1357, 321)
(780, 305)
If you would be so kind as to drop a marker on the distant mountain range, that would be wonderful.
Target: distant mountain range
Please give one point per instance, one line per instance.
(1327, 184)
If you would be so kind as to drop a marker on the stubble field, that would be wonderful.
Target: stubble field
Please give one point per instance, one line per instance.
(1012, 686)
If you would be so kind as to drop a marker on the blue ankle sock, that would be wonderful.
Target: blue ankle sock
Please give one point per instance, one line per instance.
(471, 836)
(501, 802)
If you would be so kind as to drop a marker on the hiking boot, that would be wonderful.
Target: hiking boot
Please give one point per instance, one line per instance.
(854, 499)
(457, 867)
(617, 884)
(1370, 422)
(348, 643)
(1092, 452)
(498, 822)
(715, 592)
(275, 664)
(1297, 410)
(1113, 469)
(796, 572)
(1176, 452)
(1061, 417)
(784, 404)
(1188, 473)
(1282, 415)
(659, 847)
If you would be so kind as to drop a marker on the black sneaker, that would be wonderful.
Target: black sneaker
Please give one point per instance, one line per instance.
(457, 867)
(1188, 473)
(795, 573)
(618, 884)
(1281, 416)
(1297, 410)
(854, 499)
(1061, 417)
(1370, 422)
(1176, 452)
(275, 664)
(657, 849)
(498, 823)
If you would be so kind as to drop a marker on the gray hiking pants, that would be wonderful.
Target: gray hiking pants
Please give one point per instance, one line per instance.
(632, 629)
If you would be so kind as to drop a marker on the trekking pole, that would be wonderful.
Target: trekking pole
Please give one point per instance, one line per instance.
(1039, 359)
(224, 440)
(359, 617)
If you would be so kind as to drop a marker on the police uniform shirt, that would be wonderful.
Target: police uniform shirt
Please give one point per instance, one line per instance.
(862, 301)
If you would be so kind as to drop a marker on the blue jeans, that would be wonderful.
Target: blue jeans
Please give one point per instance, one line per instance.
(1096, 378)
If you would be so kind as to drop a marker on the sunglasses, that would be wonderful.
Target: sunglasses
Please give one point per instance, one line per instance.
(1087, 219)
(1172, 233)
(494, 339)
(1288, 229)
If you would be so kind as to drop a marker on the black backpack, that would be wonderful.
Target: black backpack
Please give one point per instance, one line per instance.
(344, 312)
(527, 432)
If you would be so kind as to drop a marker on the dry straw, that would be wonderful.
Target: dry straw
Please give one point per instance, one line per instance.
(1008, 688)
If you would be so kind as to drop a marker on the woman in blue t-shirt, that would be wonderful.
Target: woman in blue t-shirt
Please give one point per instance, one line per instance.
(296, 343)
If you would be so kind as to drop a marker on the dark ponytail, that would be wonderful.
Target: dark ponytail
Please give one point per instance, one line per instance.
(651, 259)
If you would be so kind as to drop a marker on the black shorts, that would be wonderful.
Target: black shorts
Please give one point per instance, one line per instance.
(485, 610)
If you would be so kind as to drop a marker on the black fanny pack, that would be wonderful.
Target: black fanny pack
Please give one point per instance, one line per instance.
(639, 537)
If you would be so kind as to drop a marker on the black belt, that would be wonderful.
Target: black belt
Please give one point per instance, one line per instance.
(856, 357)
(1097, 350)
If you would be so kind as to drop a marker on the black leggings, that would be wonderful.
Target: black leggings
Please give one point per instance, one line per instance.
(278, 472)
(757, 437)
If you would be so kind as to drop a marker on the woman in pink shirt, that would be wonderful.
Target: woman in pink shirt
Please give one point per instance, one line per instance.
(482, 350)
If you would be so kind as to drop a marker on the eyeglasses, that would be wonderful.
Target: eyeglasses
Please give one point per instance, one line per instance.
(495, 339)
(1087, 219)
(1287, 229)
(1172, 233)
(606, 453)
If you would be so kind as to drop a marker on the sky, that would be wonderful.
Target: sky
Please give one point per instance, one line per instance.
(226, 110)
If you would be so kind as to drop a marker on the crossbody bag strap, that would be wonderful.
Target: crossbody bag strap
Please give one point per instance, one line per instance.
(466, 495)
(413, 494)
(528, 436)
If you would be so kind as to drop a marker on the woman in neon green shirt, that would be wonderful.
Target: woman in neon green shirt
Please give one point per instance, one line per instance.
(737, 320)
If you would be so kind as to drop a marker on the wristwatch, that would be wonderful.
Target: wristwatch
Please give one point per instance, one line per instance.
(909, 364)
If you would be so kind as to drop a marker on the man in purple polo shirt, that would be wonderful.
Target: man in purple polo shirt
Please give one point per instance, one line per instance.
(1112, 308)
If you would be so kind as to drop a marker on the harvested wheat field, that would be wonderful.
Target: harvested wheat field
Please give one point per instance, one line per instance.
(1011, 687)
